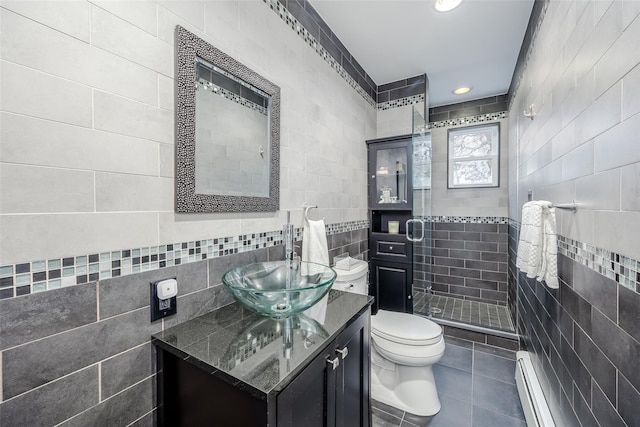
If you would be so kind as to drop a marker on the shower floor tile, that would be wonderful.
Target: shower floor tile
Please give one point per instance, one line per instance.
(471, 312)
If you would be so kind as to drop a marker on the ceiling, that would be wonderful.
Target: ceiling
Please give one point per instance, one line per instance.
(476, 44)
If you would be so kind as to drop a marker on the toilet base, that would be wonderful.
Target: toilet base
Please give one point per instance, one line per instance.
(416, 394)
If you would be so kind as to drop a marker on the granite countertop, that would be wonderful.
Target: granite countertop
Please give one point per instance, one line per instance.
(257, 353)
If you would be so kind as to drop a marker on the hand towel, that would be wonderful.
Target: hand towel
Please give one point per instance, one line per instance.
(537, 247)
(314, 249)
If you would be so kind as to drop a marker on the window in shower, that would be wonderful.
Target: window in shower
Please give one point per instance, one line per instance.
(473, 156)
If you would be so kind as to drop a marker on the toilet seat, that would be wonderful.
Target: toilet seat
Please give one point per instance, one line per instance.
(404, 328)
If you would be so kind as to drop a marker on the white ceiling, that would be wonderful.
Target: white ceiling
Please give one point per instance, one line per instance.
(476, 44)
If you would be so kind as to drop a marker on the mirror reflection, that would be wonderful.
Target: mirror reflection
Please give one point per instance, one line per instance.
(232, 134)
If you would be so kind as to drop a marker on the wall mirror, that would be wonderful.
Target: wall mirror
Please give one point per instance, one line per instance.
(228, 132)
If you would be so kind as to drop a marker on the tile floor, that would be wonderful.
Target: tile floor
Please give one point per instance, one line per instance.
(476, 387)
(471, 312)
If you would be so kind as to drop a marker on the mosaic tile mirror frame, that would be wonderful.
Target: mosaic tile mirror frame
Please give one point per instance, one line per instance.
(191, 51)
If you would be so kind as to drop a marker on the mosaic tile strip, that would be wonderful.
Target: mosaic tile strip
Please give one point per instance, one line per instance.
(410, 100)
(38, 276)
(309, 39)
(480, 118)
(620, 268)
(469, 219)
(202, 84)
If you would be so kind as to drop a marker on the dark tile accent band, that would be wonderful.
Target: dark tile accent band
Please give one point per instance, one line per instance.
(535, 21)
(301, 17)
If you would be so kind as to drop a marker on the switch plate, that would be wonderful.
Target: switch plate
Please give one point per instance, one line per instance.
(161, 308)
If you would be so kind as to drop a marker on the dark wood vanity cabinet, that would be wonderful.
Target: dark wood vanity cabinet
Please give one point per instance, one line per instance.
(390, 207)
(330, 389)
(331, 394)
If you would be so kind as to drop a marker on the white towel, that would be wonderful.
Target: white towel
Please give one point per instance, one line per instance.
(537, 248)
(314, 249)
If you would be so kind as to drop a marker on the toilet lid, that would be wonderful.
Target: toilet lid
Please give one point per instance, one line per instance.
(405, 328)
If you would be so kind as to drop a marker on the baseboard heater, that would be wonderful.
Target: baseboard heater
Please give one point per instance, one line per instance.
(534, 405)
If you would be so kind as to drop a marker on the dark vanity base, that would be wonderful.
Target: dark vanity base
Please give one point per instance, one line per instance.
(196, 389)
(192, 397)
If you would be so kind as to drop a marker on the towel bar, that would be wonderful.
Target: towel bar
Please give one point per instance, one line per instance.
(573, 207)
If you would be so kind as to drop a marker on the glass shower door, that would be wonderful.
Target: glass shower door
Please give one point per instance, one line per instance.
(421, 213)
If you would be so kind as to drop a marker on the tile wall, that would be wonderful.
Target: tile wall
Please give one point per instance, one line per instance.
(401, 89)
(492, 104)
(87, 172)
(484, 202)
(81, 355)
(467, 260)
(582, 74)
(89, 168)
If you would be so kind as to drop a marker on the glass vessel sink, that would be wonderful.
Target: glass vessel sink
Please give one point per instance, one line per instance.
(279, 289)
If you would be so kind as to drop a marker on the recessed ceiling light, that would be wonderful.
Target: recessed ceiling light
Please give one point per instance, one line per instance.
(461, 90)
(447, 5)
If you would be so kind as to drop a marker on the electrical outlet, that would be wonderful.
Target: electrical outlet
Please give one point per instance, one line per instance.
(163, 294)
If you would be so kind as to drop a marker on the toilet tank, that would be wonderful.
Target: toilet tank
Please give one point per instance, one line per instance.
(353, 280)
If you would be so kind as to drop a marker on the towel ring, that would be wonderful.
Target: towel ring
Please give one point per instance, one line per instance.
(307, 208)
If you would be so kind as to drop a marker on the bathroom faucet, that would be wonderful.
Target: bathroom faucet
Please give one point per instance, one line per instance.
(287, 236)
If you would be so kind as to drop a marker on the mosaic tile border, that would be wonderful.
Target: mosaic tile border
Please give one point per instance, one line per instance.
(401, 102)
(219, 91)
(309, 39)
(619, 268)
(480, 118)
(469, 219)
(622, 269)
(42, 275)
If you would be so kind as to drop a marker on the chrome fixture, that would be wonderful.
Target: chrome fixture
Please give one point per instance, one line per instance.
(530, 112)
(287, 237)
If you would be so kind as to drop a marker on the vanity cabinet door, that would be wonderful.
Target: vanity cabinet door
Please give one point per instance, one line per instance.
(305, 402)
(325, 395)
(352, 382)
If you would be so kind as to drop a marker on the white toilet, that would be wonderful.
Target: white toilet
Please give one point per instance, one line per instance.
(403, 351)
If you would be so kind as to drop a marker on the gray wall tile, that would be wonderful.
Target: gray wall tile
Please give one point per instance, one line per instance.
(36, 316)
(621, 349)
(148, 420)
(603, 410)
(598, 290)
(54, 402)
(119, 410)
(629, 314)
(199, 303)
(39, 362)
(629, 402)
(127, 293)
(126, 369)
(602, 371)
